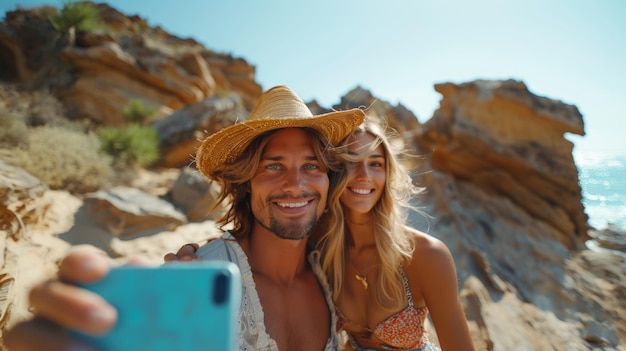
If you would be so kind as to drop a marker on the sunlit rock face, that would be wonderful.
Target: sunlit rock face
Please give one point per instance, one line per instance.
(502, 186)
(508, 142)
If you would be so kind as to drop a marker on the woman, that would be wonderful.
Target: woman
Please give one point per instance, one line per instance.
(386, 276)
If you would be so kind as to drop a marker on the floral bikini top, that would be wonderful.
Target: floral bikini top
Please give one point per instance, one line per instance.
(400, 332)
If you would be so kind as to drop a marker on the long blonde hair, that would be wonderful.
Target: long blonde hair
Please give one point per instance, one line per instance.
(394, 242)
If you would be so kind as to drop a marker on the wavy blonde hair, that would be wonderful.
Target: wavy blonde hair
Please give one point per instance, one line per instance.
(394, 243)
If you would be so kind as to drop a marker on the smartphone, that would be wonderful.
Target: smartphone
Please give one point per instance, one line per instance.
(177, 306)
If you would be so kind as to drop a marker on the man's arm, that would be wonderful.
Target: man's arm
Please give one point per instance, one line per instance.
(59, 305)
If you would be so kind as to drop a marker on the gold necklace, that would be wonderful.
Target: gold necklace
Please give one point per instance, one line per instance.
(363, 277)
(356, 223)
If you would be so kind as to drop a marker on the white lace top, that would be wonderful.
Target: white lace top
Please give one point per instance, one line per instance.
(252, 333)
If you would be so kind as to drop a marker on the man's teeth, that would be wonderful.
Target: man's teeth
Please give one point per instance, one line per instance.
(292, 204)
(361, 191)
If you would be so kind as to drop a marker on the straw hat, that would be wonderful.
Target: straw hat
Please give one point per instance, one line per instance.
(278, 107)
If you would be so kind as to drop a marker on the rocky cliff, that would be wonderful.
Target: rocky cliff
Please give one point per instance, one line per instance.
(503, 188)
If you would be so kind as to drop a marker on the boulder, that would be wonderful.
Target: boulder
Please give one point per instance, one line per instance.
(125, 211)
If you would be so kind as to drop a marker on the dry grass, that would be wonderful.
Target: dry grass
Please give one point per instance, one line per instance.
(63, 159)
(35, 136)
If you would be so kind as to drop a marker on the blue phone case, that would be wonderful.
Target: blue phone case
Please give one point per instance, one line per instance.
(177, 306)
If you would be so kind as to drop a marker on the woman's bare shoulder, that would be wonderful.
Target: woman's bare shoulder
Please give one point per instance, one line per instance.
(428, 250)
(425, 242)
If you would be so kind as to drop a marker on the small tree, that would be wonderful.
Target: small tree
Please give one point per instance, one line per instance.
(76, 15)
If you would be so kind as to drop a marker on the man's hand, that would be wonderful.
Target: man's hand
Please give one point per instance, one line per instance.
(186, 253)
(58, 306)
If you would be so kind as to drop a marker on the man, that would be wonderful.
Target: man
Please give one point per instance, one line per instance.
(274, 169)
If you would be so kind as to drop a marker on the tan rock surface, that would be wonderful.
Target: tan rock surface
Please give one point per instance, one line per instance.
(34, 256)
(502, 185)
(504, 193)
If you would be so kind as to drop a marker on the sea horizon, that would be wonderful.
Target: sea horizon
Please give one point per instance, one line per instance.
(602, 177)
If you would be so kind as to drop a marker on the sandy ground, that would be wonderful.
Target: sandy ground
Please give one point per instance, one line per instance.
(35, 255)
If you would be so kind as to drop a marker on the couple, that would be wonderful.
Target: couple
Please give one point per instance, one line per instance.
(282, 172)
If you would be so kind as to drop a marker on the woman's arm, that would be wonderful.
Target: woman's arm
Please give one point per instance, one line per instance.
(433, 272)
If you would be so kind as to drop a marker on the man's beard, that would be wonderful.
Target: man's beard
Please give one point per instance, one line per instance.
(292, 232)
(295, 230)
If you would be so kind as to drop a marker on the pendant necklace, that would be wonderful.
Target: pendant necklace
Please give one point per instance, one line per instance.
(362, 277)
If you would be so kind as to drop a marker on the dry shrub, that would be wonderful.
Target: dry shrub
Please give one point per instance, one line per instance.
(13, 130)
(33, 107)
(64, 159)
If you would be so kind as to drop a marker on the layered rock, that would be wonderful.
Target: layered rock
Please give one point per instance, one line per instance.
(100, 73)
(181, 132)
(509, 142)
(502, 185)
(504, 193)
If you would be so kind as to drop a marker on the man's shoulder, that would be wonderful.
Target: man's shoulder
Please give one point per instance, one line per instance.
(217, 249)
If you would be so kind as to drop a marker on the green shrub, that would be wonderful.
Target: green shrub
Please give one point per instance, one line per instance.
(131, 145)
(80, 15)
(137, 112)
(64, 159)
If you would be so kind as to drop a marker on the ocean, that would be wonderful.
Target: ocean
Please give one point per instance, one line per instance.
(602, 178)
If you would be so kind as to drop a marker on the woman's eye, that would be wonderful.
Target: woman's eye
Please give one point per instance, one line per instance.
(311, 166)
(273, 166)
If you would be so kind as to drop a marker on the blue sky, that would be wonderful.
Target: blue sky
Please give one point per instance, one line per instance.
(568, 50)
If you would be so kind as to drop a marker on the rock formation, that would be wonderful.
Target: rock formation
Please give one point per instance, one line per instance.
(504, 192)
(502, 186)
(98, 75)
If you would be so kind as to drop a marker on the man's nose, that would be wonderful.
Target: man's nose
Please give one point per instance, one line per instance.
(294, 179)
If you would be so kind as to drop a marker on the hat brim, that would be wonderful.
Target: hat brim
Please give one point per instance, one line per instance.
(226, 145)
